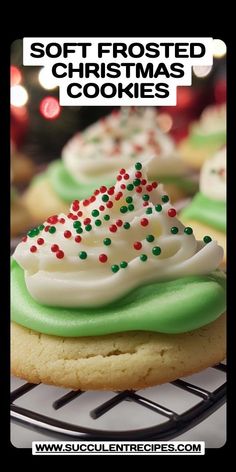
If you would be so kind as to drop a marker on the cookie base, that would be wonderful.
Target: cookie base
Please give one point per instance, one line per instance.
(41, 201)
(194, 157)
(20, 218)
(121, 361)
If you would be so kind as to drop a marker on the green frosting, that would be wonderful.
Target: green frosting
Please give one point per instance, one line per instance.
(185, 183)
(205, 210)
(68, 189)
(172, 307)
(214, 140)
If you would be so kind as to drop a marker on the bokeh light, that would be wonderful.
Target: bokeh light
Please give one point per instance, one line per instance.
(16, 75)
(202, 71)
(219, 48)
(165, 122)
(47, 81)
(50, 108)
(19, 96)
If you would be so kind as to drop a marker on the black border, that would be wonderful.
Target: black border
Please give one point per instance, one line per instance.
(5, 219)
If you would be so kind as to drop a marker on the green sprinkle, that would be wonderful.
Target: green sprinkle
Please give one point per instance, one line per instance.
(165, 198)
(129, 200)
(143, 257)
(188, 230)
(33, 232)
(138, 166)
(150, 238)
(106, 217)
(145, 197)
(158, 207)
(148, 211)
(130, 187)
(88, 228)
(95, 213)
(52, 229)
(76, 224)
(131, 207)
(105, 198)
(136, 182)
(41, 227)
(126, 225)
(107, 241)
(156, 250)
(123, 264)
(115, 268)
(79, 230)
(83, 255)
(174, 230)
(98, 222)
(123, 209)
(207, 239)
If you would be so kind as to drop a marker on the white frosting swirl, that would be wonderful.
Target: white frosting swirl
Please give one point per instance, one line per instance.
(213, 176)
(118, 141)
(75, 282)
(212, 120)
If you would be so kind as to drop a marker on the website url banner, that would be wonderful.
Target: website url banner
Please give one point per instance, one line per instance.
(184, 448)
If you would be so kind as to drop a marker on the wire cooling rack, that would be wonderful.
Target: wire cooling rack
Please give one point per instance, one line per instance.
(166, 422)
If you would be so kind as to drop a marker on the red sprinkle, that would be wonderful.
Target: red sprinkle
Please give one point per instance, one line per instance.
(138, 148)
(103, 258)
(138, 175)
(54, 248)
(87, 221)
(52, 219)
(92, 199)
(80, 213)
(137, 245)
(111, 191)
(143, 182)
(119, 177)
(118, 196)
(101, 208)
(123, 186)
(86, 203)
(145, 204)
(171, 212)
(126, 176)
(149, 187)
(138, 189)
(154, 184)
(33, 249)
(61, 220)
(122, 171)
(74, 217)
(96, 192)
(103, 189)
(109, 204)
(77, 238)
(46, 228)
(67, 234)
(40, 241)
(75, 205)
(113, 228)
(24, 239)
(60, 254)
(119, 222)
(144, 222)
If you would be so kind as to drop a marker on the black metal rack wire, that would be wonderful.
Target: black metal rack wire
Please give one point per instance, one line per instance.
(173, 425)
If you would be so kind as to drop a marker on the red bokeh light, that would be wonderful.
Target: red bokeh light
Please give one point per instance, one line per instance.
(16, 76)
(50, 108)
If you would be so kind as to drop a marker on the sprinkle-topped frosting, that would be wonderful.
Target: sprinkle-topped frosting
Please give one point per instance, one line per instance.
(117, 141)
(118, 239)
(213, 177)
